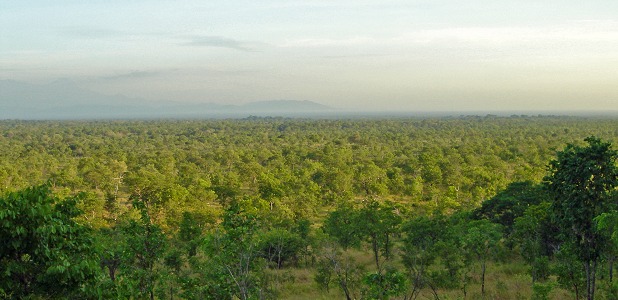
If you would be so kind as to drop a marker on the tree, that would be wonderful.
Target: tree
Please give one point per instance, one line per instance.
(510, 204)
(374, 222)
(420, 249)
(234, 254)
(581, 181)
(334, 266)
(481, 242)
(568, 271)
(44, 251)
(145, 247)
(378, 223)
(385, 284)
(536, 236)
(190, 233)
(111, 244)
(608, 222)
(280, 245)
(341, 225)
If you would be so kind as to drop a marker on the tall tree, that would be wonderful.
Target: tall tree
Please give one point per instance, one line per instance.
(145, 247)
(374, 222)
(235, 257)
(535, 233)
(335, 267)
(378, 223)
(420, 250)
(481, 242)
(581, 181)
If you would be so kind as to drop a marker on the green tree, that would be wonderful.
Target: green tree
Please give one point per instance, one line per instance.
(110, 242)
(341, 225)
(190, 233)
(235, 264)
(510, 204)
(280, 245)
(145, 247)
(481, 242)
(581, 181)
(374, 222)
(608, 222)
(384, 285)
(378, 223)
(44, 252)
(422, 236)
(535, 233)
(334, 266)
(568, 271)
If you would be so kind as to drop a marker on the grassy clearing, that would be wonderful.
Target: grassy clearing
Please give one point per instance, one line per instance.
(503, 281)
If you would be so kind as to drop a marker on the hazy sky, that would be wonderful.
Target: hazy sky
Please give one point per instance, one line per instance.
(357, 54)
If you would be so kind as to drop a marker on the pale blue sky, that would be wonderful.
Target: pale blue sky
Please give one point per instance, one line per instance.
(362, 54)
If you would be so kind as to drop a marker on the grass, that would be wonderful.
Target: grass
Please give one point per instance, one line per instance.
(503, 281)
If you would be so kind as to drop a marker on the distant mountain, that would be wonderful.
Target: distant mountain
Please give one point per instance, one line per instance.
(59, 100)
(55, 94)
(64, 99)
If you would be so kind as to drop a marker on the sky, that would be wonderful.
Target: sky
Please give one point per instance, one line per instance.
(375, 55)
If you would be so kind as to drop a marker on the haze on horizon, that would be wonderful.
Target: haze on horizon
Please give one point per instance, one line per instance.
(412, 55)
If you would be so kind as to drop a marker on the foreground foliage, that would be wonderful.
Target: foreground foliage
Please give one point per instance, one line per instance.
(43, 251)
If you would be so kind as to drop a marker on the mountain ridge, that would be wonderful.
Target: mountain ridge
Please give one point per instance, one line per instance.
(63, 99)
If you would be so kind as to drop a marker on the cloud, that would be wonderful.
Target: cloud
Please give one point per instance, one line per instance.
(323, 42)
(587, 31)
(218, 42)
(582, 31)
(133, 75)
(366, 55)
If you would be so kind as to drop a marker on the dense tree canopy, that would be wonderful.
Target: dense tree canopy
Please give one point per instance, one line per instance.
(252, 209)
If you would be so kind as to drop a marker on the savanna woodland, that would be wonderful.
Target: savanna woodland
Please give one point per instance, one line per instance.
(478, 207)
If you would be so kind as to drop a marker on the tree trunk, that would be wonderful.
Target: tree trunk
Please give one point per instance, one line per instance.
(576, 288)
(484, 267)
(386, 249)
(611, 268)
(279, 251)
(594, 279)
(376, 252)
(587, 269)
(344, 287)
(434, 291)
(112, 273)
(418, 285)
(590, 267)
